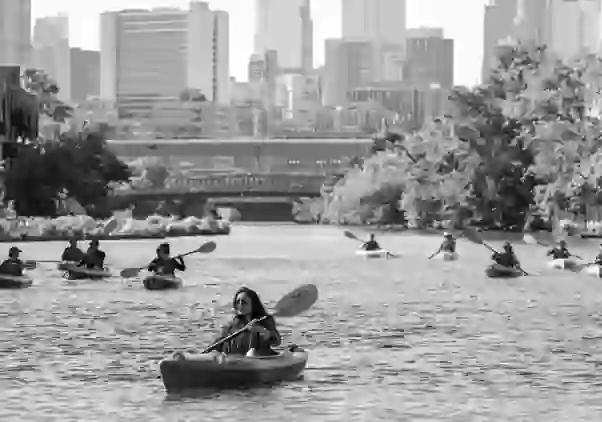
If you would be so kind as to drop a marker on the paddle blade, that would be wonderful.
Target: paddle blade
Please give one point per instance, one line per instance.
(473, 236)
(207, 247)
(30, 265)
(350, 235)
(130, 272)
(297, 301)
(110, 226)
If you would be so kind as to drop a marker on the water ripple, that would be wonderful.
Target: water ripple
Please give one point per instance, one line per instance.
(406, 339)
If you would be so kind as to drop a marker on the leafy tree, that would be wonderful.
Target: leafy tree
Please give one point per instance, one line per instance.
(80, 164)
(529, 135)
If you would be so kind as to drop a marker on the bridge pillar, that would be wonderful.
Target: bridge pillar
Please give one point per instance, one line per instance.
(193, 207)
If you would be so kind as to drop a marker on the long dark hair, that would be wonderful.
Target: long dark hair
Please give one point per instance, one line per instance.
(257, 308)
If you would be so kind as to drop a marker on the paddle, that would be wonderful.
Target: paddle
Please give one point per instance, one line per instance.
(291, 304)
(474, 237)
(350, 235)
(206, 247)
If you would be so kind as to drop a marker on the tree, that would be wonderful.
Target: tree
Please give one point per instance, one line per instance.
(80, 164)
(528, 135)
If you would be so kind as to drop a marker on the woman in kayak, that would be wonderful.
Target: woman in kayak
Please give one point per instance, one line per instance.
(72, 253)
(371, 245)
(507, 258)
(94, 258)
(448, 244)
(261, 333)
(561, 251)
(164, 264)
(13, 265)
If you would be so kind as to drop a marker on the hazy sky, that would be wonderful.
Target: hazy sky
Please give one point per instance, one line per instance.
(462, 23)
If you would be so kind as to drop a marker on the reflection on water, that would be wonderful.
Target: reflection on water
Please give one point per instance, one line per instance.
(405, 339)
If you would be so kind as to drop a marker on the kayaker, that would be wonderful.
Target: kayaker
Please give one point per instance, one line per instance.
(13, 265)
(448, 244)
(72, 253)
(598, 258)
(164, 264)
(561, 251)
(260, 336)
(94, 258)
(507, 258)
(371, 245)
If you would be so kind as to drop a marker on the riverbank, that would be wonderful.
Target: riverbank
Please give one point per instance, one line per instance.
(123, 227)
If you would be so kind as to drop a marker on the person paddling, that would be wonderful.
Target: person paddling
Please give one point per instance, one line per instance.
(72, 253)
(94, 258)
(448, 245)
(164, 264)
(13, 265)
(507, 258)
(371, 245)
(598, 258)
(261, 334)
(561, 251)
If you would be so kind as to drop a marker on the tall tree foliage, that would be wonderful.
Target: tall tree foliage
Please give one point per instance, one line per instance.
(528, 136)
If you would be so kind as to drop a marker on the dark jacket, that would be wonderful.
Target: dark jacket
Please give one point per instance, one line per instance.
(559, 253)
(506, 259)
(12, 267)
(93, 259)
(241, 344)
(72, 254)
(371, 245)
(166, 266)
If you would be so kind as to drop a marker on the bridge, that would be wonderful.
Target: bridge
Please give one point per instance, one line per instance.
(291, 185)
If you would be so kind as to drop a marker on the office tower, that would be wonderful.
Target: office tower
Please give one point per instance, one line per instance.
(285, 26)
(149, 55)
(429, 58)
(85, 74)
(377, 20)
(499, 25)
(15, 32)
(52, 53)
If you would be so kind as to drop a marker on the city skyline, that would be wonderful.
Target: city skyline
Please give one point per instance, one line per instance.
(84, 26)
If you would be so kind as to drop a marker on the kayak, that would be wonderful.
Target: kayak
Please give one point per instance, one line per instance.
(214, 370)
(499, 271)
(14, 281)
(162, 282)
(447, 256)
(379, 253)
(563, 264)
(593, 270)
(73, 272)
(65, 265)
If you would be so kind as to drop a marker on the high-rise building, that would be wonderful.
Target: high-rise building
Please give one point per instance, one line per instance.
(573, 27)
(429, 59)
(350, 64)
(85, 74)
(52, 53)
(377, 20)
(150, 55)
(499, 25)
(285, 26)
(15, 32)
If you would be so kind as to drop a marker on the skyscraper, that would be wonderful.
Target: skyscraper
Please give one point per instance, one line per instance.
(499, 25)
(51, 51)
(15, 32)
(429, 59)
(285, 26)
(148, 55)
(377, 20)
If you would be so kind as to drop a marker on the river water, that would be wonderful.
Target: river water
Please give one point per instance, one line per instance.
(406, 339)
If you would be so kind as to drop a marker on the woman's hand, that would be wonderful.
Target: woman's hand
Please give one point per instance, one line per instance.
(254, 327)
